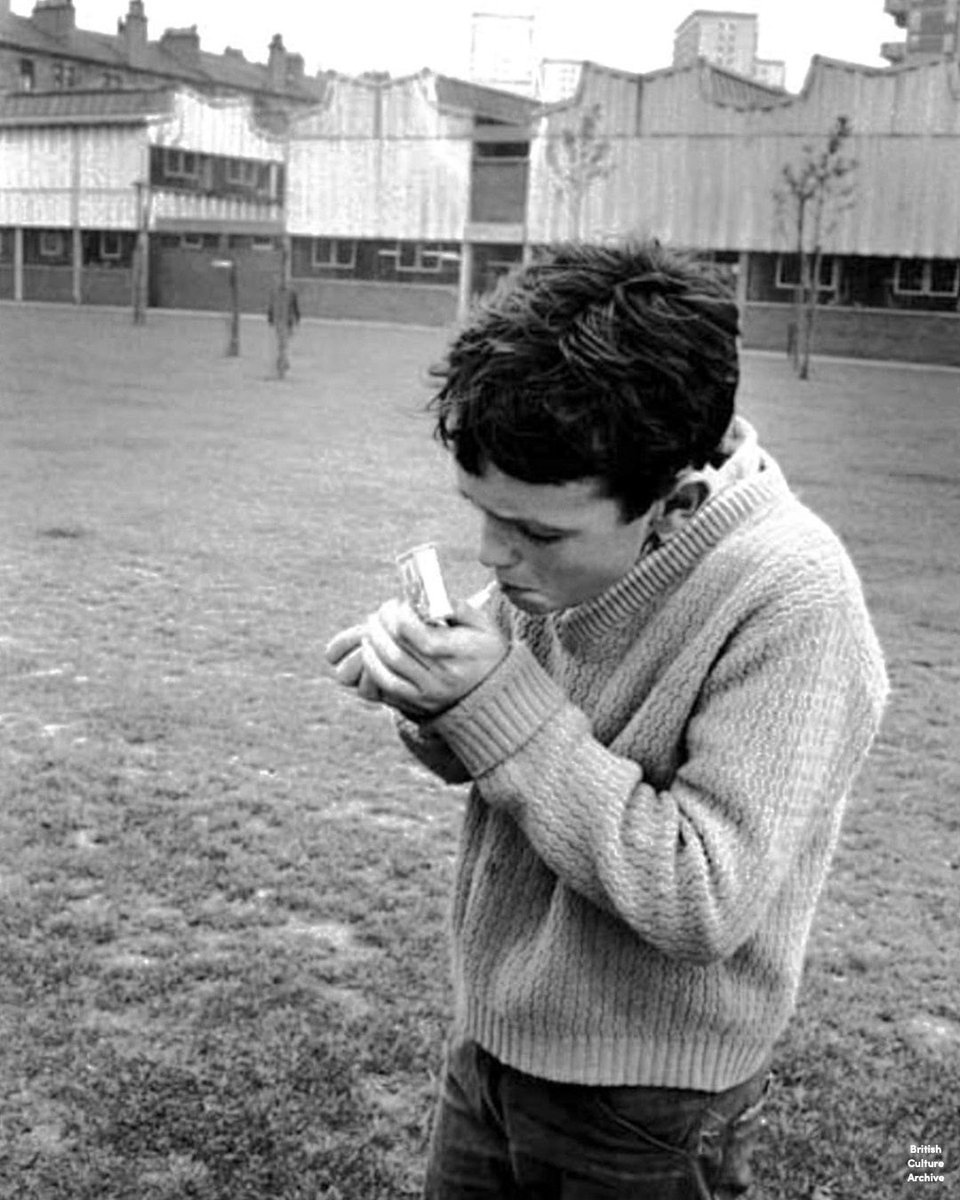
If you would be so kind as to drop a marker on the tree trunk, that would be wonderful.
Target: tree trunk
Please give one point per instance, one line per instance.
(233, 350)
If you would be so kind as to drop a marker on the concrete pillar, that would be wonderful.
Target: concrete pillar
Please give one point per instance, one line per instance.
(77, 248)
(18, 263)
(465, 293)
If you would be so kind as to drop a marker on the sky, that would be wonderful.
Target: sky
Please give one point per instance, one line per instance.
(404, 36)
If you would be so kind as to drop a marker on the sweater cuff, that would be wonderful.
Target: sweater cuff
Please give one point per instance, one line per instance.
(502, 714)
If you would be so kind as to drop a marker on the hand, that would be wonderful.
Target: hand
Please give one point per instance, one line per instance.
(423, 669)
(345, 654)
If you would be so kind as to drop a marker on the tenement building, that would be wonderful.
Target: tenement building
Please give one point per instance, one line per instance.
(48, 52)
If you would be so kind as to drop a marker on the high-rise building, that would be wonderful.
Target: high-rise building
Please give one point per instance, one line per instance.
(931, 27)
(559, 79)
(728, 39)
(503, 52)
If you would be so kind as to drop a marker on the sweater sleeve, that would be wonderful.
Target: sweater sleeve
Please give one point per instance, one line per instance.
(779, 728)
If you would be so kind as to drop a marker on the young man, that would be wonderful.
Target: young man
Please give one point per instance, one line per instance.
(662, 708)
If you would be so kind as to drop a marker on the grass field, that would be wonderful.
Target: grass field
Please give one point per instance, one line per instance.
(223, 885)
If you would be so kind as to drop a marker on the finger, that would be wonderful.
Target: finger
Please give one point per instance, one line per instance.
(394, 686)
(350, 668)
(367, 688)
(405, 626)
(426, 641)
(342, 643)
(401, 658)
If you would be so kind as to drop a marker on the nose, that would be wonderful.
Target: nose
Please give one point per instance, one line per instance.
(496, 550)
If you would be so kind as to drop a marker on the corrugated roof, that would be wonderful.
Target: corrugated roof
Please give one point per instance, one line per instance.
(728, 87)
(227, 71)
(84, 107)
(484, 101)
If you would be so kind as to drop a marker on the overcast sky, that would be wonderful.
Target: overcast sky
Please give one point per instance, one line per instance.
(403, 36)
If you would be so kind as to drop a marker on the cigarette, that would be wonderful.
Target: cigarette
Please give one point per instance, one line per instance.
(422, 583)
(479, 599)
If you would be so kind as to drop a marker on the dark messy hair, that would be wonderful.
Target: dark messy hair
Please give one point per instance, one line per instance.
(613, 362)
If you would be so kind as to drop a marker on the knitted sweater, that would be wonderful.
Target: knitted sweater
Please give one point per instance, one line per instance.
(659, 776)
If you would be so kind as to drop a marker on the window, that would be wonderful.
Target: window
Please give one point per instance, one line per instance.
(112, 80)
(944, 277)
(28, 77)
(337, 253)
(262, 243)
(64, 75)
(493, 147)
(192, 241)
(242, 171)
(926, 277)
(180, 164)
(111, 245)
(788, 272)
(52, 243)
(428, 257)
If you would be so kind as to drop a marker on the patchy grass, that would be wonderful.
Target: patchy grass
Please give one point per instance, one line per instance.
(223, 885)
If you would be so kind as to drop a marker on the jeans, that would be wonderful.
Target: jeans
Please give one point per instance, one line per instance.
(499, 1133)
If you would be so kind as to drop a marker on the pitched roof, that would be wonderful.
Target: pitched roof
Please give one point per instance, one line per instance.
(483, 101)
(204, 70)
(728, 87)
(76, 107)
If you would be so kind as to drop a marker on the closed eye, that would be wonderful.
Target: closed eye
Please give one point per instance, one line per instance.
(541, 539)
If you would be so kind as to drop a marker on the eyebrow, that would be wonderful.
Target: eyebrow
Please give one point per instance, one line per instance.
(518, 522)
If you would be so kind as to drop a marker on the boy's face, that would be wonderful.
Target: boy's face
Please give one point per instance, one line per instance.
(551, 545)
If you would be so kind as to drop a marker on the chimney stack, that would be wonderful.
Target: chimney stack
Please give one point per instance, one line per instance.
(277, 64)
(183, 44)
(57, 18)
(134, 33)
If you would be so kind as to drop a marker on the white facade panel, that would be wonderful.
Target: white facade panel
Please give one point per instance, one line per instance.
(401, 168)
(224, 127)
(180, 207)
(61, 176)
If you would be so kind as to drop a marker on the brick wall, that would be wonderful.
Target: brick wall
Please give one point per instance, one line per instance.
(405, 303)
(861, 333)
(48, 283)
(111, 285)
(185, 278)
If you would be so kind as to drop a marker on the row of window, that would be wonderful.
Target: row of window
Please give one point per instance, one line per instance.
(173, 169)
(64, 75)
(340, 254)
(911, 276)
